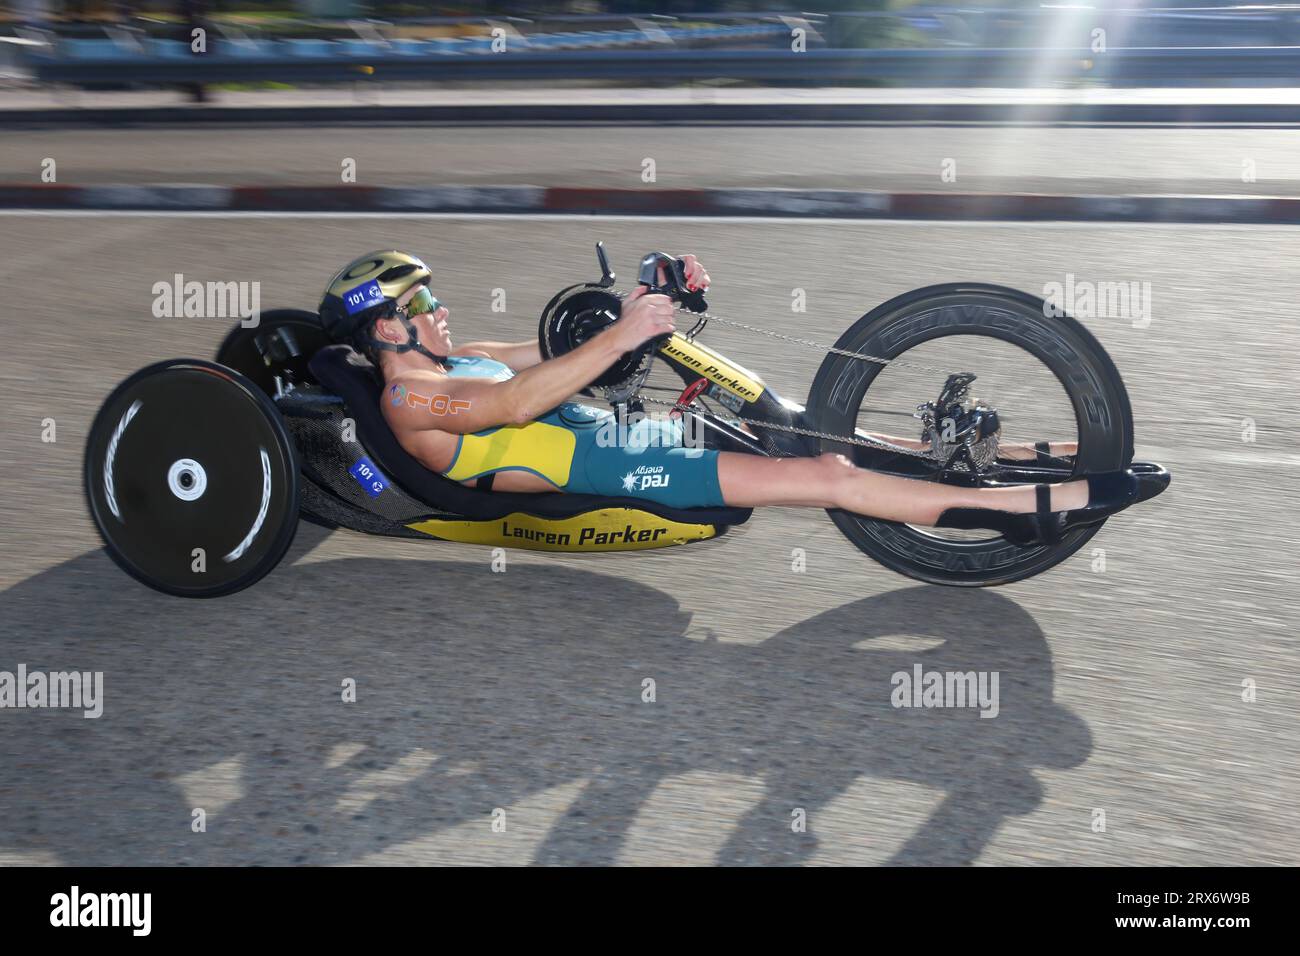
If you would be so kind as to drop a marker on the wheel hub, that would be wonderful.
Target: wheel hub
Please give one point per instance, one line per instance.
(187, 479)
(962, 431)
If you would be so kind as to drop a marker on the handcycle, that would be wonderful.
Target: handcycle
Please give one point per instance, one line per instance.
(197, 472)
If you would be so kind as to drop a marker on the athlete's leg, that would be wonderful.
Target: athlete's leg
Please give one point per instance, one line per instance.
(832, 481)
(1028, 451)
(1008, 451)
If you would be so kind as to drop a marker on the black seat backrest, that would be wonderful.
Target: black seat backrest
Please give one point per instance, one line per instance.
(348, 375)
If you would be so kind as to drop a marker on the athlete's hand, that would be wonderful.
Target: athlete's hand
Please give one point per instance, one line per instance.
(697, 280)
(642, 318)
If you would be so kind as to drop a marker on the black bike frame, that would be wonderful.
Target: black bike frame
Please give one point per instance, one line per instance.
(751, 400)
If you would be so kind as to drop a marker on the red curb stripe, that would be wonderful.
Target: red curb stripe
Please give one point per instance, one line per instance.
(663, 202)
(984, 206)
(305, 198)
(792, 203)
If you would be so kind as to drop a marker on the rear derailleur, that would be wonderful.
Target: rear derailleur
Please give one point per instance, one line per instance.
(962, 431)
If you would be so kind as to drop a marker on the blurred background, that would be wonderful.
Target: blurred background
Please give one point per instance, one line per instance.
(867, 42)
(832, 154)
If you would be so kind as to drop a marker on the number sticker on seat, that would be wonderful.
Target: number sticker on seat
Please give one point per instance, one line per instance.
(370, 478)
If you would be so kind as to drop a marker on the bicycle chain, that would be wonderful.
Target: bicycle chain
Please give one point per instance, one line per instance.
(794, 430)
(813, 345)
(927, 454)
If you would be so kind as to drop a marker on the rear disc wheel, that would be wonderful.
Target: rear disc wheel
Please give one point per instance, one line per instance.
(191, 479)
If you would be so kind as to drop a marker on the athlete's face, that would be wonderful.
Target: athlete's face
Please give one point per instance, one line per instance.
(435, 333)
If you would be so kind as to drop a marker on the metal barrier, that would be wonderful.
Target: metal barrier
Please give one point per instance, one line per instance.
(949, 67)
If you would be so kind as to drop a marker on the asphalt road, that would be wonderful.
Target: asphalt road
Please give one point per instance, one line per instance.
(1121, 691)
(1220, 161)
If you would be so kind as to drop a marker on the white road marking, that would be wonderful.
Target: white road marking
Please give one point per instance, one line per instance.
(30, 858)
(600, 217)
(1248, 458)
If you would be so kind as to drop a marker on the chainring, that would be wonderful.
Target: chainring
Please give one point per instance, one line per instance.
(576, 316)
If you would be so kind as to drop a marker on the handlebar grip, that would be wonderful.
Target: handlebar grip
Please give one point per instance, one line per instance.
(675, 284)
(648, 274)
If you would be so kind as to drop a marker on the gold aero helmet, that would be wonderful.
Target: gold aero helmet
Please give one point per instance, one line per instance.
(367, 289)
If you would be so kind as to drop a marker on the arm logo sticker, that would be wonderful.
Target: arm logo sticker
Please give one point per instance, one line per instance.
(436, 404)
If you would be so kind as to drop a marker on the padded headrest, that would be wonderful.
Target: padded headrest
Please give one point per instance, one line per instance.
(346, 373)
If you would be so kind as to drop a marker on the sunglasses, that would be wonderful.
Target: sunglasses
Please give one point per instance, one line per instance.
(421, 303)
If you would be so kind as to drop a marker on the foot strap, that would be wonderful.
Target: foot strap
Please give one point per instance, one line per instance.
(1043, 450)
(1017, 528)
(1048, 527)
(1042, 527)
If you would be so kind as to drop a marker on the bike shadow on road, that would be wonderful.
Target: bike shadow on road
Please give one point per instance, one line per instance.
(478, 691)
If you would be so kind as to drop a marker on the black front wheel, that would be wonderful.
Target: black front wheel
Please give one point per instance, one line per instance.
(280, 344)
(191, 479)
(1044, 374)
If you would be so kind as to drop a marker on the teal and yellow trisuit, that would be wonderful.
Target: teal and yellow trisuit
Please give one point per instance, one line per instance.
(580, 449)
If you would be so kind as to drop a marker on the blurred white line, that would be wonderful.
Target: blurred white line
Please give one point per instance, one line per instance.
(32, 858)
(1246, 458)
(567, 217)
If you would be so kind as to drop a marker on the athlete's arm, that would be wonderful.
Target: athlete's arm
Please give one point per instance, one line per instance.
(522, 355)
(421, 401)
(518, 355)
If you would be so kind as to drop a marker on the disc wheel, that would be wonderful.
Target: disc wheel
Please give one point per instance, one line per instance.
(578, 315)
(245, 349)
(191, 479)
(1093, 402)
